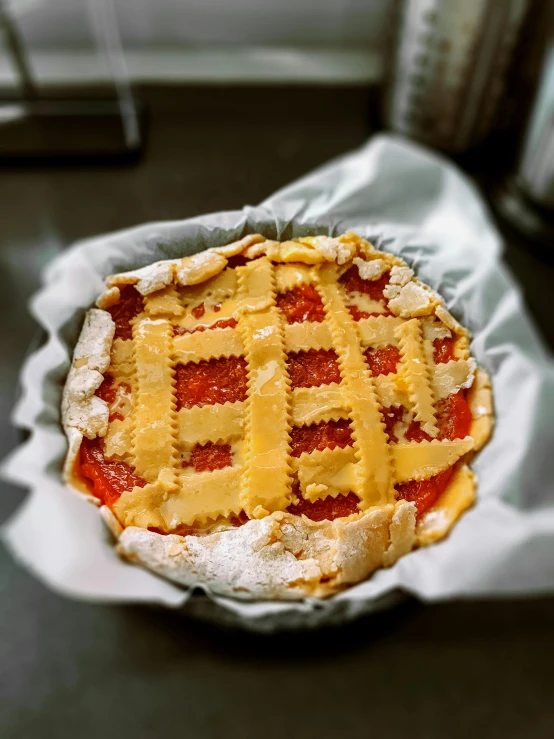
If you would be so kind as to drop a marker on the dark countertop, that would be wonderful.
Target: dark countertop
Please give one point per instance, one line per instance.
(72, 668)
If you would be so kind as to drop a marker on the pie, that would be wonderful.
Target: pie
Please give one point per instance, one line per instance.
(274, 420)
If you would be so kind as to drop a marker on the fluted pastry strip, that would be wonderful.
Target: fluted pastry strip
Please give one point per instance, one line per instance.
(374, 469)
(416, 374)
(155, 425)
(314, 404)
(266, 481)
(209, 344)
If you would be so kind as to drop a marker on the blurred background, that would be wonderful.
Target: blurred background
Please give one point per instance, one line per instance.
(119, 112)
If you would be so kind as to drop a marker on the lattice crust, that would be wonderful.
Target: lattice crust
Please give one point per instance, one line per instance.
(257, 289)
(377, 331)
(371, 443)
(416, 375)
(203, 493)
(190, 322)
(419, 461)
(266, 484)
(314, 404)
(122, 363)
(201, 424)
(288, 276)
(365, 303)
(209, 344)
(448, 378)
(119, 439)
(155, 425)
(198, 497)
(165, 303)
(203, 310)
(307, 335)
(216, 290)
(391, 392)
(183, 299)
(327, 472)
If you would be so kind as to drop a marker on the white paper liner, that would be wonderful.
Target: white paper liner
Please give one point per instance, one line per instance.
(412, 203)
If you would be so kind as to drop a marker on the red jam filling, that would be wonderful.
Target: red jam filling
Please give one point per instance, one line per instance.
(239, 260)
(358, 314)
(210, 456)
(106, 479)
(107, 391)
(313, 368)
(130, 305)
(374, 288)
(215, 381)
(414, 432)
(454, 420)
(198, 312)
(302, 303)
(382, 361)
(325, 508)
(224, 323)
(443, 350)
(424, 493)
(239, 520)
(453, 416)
(320, 436)
(391, 416)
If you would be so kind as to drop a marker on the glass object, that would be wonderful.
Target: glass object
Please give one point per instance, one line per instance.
(448, 67)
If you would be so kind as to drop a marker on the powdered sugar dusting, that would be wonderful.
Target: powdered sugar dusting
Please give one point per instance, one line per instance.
(147, 279)
(334, 250)
(434, 522)
(238, 247)
(200, 267)
(279, 556)
(411, 300)
(434, 330)
(81, 409)
(400, 275)
(450, 377)
(371, 270)
(448, 319)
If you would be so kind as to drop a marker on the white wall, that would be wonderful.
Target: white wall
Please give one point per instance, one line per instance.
(229, 22)
(303, 40)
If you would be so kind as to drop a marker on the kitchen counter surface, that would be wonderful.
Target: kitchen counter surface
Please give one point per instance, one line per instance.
(80, 669)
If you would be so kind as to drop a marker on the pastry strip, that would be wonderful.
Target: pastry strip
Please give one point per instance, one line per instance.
(266, 482)
(201, 424)
(327, 472)
(314, 404)
(155, 424)
(209, 344)
(416, 374)
(425, 459)
(374, 469)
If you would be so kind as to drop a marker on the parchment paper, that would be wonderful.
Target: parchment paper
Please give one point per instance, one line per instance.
(401, 198)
